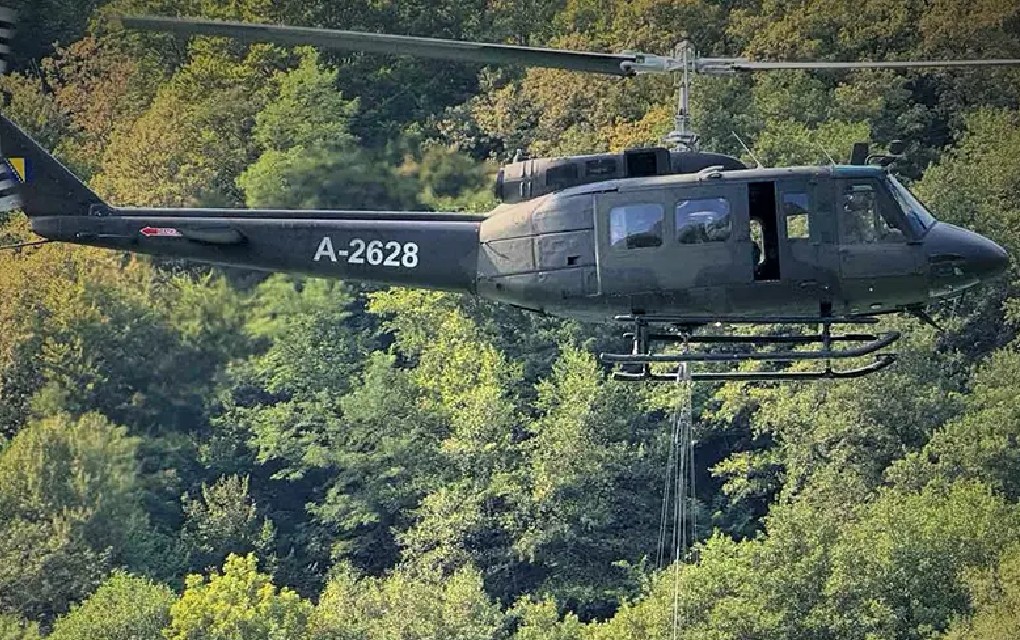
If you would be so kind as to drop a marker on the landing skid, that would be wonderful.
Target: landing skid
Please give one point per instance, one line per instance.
(650, 331)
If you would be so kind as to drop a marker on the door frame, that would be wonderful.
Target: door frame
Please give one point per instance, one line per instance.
(906, 254)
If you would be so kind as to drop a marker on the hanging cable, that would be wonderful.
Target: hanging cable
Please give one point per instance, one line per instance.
(678, 490)
(664, 554)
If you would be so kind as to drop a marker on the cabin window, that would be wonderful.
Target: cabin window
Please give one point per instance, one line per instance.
(703, 220)
(564, 175)
(636, 225)
(600, 167)
(865, 220)
(796, 211)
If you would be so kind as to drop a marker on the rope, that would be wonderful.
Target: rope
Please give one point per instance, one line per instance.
(679, 488)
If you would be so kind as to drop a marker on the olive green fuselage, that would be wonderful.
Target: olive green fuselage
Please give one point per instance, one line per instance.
(846, 240)
(789, 242)
(722, 244)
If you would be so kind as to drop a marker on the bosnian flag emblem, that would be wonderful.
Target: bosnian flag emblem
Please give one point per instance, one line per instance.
(161, 232)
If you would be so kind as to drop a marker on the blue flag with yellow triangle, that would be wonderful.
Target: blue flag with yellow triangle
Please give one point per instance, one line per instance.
(18, 168)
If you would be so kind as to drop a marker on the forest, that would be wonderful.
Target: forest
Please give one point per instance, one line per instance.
(193, 452)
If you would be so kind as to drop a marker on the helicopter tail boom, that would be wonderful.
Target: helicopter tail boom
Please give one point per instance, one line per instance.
(420, 249)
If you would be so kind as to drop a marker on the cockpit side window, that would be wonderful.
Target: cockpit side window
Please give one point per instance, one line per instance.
(867, 217)
(633, 226)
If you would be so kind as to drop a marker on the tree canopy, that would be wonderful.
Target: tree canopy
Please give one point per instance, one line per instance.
(192, 452)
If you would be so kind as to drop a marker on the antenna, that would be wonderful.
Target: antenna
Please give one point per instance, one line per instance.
(831, 161)
(747, 150)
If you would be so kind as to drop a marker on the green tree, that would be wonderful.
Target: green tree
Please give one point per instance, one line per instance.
(466, 383)
(891, 568)
(87, 466)
(540, 620)
(87, 329)
(194, 139)
(976, 183)
(238, 604)
(338, 427)
(124, 607)
(46, 566)
(995, 598)
(591, 443)
(307, 111)
(408, 604)
(223, 521)
(14, 628)
(979, 445)
(70, 495)
(309, 158)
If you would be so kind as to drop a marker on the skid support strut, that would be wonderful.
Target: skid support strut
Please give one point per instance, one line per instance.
(648, 332)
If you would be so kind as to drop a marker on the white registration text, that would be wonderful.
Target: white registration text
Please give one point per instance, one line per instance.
(374, 252)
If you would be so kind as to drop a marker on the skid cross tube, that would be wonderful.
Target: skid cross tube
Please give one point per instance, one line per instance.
(883, 341)
(636, 365)
(728, 339)
(881, 362)
(703, 320)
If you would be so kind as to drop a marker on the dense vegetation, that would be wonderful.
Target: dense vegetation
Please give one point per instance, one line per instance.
(192, 453)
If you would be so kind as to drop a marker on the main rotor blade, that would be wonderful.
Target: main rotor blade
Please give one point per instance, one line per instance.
(7, 19)
(743, 65)
(612, 64)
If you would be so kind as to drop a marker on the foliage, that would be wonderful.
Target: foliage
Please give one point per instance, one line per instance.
(236, 604)
(995, 594)
(421, 464)
(223, 521)
(408, 604)
(71, 501)
(14, 628)
(124, 607)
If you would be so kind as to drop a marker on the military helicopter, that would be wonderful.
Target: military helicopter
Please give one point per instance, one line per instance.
(667, 241)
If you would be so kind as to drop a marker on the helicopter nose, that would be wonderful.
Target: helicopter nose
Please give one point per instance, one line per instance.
(990, 260)
(960, 258)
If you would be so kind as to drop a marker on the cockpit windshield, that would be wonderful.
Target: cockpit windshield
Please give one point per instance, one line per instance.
(918, 216)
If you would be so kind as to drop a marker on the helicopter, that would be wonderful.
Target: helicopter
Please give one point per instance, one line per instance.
(664, 240)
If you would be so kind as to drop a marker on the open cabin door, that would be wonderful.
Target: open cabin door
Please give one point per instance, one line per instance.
(808, 238)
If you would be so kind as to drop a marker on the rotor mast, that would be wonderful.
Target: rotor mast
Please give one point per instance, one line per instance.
(683, 136)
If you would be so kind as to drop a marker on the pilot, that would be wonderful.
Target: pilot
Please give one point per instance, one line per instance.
(858, 217)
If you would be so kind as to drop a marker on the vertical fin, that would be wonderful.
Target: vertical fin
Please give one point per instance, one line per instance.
(43, 186)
